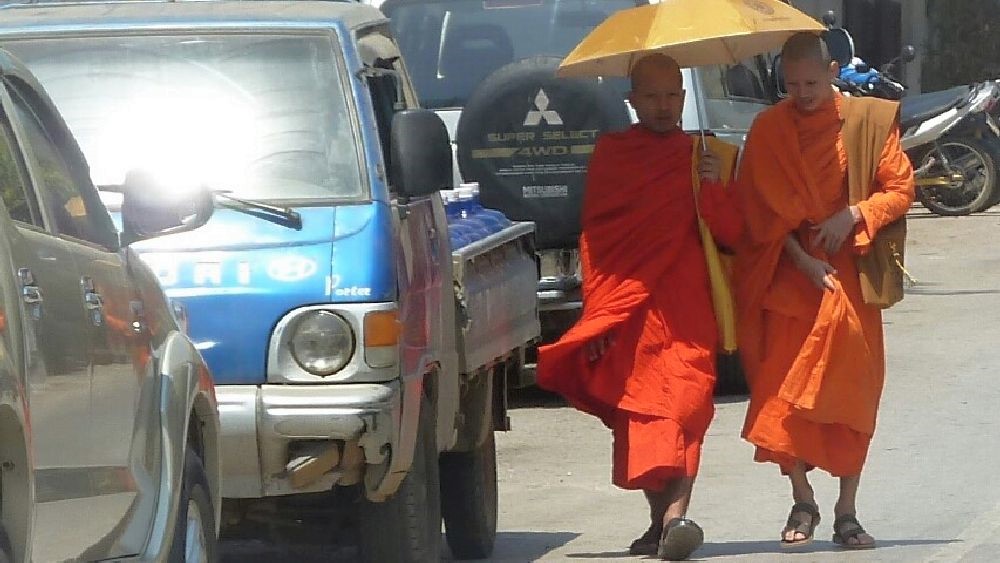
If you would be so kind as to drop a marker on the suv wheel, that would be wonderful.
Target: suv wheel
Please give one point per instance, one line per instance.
(194, 532)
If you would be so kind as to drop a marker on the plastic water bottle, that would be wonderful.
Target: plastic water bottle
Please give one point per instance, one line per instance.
(496, 218)
(459, 234)
(466, 209)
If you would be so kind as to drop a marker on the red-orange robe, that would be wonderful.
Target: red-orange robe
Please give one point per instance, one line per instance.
(814, 359)
(645, 284)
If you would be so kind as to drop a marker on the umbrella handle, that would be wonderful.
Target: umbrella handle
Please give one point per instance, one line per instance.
(699, 106)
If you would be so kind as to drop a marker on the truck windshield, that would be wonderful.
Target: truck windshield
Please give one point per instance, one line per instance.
(450, 46)
(265, 116)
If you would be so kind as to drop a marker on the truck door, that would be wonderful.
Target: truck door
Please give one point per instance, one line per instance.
(420, 266)
(424, 256)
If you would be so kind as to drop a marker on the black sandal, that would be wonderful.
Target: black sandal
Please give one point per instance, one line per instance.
(648, 542)
(847, 527)
(796, 525)
(681, 537)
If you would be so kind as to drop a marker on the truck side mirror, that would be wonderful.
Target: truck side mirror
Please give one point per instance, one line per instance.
(421, 161)
(151, 210)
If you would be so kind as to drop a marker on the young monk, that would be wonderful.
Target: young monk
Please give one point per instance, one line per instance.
(811, 345)
(642, 355)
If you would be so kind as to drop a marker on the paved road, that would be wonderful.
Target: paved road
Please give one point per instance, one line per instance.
(931, 491)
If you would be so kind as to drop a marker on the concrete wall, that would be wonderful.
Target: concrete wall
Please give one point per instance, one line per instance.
(915, 33)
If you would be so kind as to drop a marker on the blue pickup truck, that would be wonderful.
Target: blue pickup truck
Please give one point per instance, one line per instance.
(351, 344)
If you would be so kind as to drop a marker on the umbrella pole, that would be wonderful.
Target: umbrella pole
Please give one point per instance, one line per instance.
(702, 119)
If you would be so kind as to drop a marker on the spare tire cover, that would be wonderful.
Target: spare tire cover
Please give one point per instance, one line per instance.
(527, 136)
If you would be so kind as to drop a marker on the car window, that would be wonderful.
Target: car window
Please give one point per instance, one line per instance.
(384, 96)
(386, 88)
(17, 198)
(734, 94)
(74, 210)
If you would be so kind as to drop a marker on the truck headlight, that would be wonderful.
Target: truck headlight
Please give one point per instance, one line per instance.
(322, 342)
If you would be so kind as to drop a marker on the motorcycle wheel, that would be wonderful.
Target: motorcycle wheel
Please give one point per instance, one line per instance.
(975, 160)
(994, 143)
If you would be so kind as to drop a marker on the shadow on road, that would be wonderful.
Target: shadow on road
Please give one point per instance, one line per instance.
(510, 546)
(534, 397)
(762, 547)
(758, 547)
(950, 292)
(270, 551)
(602, 555)
(528, 546)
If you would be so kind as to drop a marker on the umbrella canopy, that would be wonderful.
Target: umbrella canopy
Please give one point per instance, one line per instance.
(692, 32)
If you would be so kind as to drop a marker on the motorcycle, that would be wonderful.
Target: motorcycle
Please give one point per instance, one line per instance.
(951, 136)
(957, 169)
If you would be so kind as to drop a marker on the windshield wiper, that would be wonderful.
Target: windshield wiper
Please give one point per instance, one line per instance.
(278, 215)
(275, 214)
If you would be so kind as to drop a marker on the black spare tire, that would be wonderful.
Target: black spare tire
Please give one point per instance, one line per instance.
(526, 137)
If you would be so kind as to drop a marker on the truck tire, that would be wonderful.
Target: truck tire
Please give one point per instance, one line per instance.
(469, 500)
(194, 532)
(526, 137)
(406, 528)
(975, 160)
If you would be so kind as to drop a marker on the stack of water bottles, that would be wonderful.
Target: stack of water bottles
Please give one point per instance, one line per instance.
(468, 220)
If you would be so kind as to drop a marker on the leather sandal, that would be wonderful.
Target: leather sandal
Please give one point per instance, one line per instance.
(681, 537)
(847, 527)
(648, 542)
(797, 525)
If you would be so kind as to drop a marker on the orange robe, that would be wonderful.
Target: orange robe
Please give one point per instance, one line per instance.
(814, 359)
(646, 285)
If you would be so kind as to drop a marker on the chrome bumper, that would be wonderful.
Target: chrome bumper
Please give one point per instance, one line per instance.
(260, 421)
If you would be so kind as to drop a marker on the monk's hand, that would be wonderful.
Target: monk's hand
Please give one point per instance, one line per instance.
(598, 347)
(831, 234)
(819, 272)
(709, 166)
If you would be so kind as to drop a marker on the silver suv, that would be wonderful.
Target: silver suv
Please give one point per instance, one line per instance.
(108, 420)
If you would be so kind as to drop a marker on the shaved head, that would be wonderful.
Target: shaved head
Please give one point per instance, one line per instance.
(657, 94)
(809, 71)
(805, 46)
(654, 66)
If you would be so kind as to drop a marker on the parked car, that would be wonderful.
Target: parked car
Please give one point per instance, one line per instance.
(108, 421)
(353, 347)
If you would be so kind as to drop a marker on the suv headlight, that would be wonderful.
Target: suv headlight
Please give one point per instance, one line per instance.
(322, 342)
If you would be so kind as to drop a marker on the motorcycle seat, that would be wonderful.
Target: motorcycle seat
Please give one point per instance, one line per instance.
(917, 109)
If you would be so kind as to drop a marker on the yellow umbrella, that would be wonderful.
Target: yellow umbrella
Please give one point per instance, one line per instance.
(692, 32)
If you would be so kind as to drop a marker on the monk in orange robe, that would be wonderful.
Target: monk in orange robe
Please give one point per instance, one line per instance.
(642, 356)
(811, 346)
